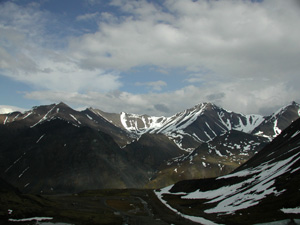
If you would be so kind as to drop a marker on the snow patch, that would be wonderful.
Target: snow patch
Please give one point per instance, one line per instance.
(248, 192)
(16, 116)
(295, 134)
(28, 114)
(252, 121)
(14, 163)
(276, 129)
(75, 119)
(44, 117)
(201, 220)
(209, 138)
(218, 153)
(4, 122)
(227, 124)
(247, 148)
(210, 129)
(89, 117)
(23, 172)
(291, 210)
(40, 138)
(31, 219)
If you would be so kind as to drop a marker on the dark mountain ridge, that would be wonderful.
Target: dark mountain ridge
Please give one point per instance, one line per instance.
(88, 118)
(54, 148)
(188, 129)
(59, 157)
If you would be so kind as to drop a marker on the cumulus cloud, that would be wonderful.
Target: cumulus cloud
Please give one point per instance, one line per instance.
(59, 73)
(235, 38)
(5, 109)
(233, 96)
(242, 55)
(26, 55)
(247, 50)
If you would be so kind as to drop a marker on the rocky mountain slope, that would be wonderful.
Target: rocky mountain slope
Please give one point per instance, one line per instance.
(153, 150)
(227, 151)
(264, 189)
(203, 122)
(278, 121)
(217, 157)
(188, 129)
(69, 150)
(88, 117)
(56, 156)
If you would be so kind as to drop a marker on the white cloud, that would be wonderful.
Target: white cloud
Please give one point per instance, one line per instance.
(235, 38)
(239, 54)
(250, 96)
(155, 85)
(222, 43)
(66, 75)
(27, 56)
(87, 16)
(5, 109)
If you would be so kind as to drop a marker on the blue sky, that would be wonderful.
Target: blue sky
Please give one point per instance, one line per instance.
(153, 57)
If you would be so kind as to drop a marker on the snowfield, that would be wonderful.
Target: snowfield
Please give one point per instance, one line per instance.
(249, 188)
(196, 219)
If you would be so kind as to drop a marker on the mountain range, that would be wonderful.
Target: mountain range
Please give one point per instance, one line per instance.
(264, 190)
(53, 148)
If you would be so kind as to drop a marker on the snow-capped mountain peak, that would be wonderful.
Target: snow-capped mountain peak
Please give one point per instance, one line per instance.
(272, 125)
(188, 128)
(201, 123)
(141, 124)
(198, 124)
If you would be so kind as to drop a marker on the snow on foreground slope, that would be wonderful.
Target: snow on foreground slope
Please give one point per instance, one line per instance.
(262, 188)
